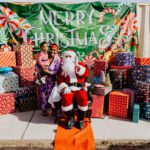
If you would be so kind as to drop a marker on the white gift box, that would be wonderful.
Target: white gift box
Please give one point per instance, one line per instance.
(8, 82)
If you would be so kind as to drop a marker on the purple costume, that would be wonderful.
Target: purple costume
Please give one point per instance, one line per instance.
(46, 89)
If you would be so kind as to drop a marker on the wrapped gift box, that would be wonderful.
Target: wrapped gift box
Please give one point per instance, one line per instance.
(26, 75)
(121, 67)
(142, 93)
(25, 92)
(100, 65)
(7, 103)
(27, 103)
(124, 58)
(131, 92)
(138, 72)
(7, 59)
(8, 82)
(97, 106)
(102, 91)
(118, 78)
(24, 55)
(136, 113)
(118, 104)
(145, 110)
(142, 61)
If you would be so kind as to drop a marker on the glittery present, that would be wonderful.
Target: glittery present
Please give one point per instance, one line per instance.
(27, 103)
(100, 65)
(123, 58)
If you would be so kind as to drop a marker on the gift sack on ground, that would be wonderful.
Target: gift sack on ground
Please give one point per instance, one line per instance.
(142, 61)
(26, 75)
(118, 104)
(7, 103)
(8, 82)
(7, 59)
(100, 65)
(24, 55)
(124, 58)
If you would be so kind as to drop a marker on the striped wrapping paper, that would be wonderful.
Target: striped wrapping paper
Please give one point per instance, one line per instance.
(124, 58)
(24, 55)
(142, 61)
(7, 59)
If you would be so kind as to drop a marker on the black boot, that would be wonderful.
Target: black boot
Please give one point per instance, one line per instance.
(70, 120)
(81, 115)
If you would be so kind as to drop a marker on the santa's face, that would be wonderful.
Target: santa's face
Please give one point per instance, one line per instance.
(68, 64)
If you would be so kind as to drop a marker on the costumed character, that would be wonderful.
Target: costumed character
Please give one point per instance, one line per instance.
(71, 84)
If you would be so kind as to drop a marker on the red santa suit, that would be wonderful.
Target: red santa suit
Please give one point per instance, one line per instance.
(75, 82)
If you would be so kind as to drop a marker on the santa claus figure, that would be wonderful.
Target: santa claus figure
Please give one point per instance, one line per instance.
(71, 84)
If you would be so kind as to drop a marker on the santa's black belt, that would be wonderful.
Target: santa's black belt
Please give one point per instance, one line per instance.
(76, 84)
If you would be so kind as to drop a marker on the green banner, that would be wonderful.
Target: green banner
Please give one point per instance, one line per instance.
(91, 29)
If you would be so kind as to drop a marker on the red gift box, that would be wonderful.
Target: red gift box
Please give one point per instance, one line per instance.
(142, 61)
(24, 55)
(26, 75)
(7, 59)
(97, 106)
(7, 103)
(100, 65)
(121, 67)
(118, 104)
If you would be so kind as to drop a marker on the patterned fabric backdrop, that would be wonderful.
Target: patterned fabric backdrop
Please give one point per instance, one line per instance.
(91, 29)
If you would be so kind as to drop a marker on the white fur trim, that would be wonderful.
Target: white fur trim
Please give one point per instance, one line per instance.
(62, 86)
(67, 108)
(81, 71)
(74, 88)
(83, 108)
(69, 52)
(73, 77)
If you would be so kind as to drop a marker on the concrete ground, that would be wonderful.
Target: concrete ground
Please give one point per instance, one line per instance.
(30, 129)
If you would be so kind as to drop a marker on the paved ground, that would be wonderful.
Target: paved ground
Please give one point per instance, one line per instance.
(32, 129)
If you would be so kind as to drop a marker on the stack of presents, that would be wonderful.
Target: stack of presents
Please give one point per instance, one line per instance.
(122, 88)
(17, 78)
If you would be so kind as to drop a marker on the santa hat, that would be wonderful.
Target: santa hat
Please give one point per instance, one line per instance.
(70, 53)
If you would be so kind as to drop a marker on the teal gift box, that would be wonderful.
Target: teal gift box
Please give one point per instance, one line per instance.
(136, 113)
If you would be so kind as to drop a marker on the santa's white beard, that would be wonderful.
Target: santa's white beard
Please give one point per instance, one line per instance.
(68, 66)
